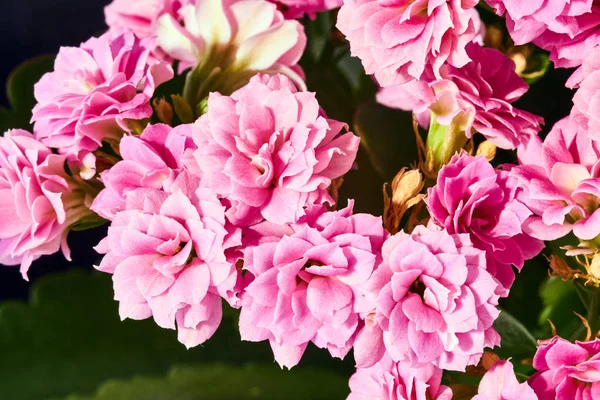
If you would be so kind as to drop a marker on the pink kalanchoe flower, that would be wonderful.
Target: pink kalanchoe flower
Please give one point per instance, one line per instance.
(561, 181)
(398, 41)
(587, 98)
(567, 370)
(139, 16)
(500, 383)
(479, 96)
(38, 199)
(472, 197)
(308, 285)
(389, 380)
(268, 152)
(437, 305)
(165, 251)
(97, 92)
(568, 29)
(150, 160)
(299, 8)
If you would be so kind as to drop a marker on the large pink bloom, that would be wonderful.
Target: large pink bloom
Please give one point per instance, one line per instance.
(567, 370)
(268, 152)
(472, 197)
(586, 110)
(308, 284)
(166, 254)
(569, 29)
(151, 160)
(299, 8)
(97, 92)
(389, 380)
(38, 201)
(437, 304)
(500, 383)
(139, 16)
(400, 40)
(561, 181)
(479, 95)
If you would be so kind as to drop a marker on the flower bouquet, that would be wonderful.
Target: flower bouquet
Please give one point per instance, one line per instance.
(363, 188)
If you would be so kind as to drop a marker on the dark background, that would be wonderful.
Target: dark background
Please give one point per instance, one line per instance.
(29, 28)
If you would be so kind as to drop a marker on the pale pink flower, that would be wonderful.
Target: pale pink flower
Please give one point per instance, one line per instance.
(437, 304)
(266, 150)
(96, 93)
(230, 41)
(389, 380)
(500, 383)
(478, 97)
(308, 284)
(165, 251)
(568, 29)
(150, 161)
(567, 370)
(299, 8)
(587, 98)
(39, 201)
(472, 197)
(139, 16)
(399, 40)
(561, 182)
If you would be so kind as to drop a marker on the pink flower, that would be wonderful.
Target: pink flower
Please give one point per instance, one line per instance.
(150, 161)
(165, 251)
(400, 40)
(308, 285)
(268, 152)
(472, 197)
(38, 201)
(389, 380)
(568, 29)
(139, 16)
(585, 101)
(96, 93)
(437, 305)
(298, 8)
(561, 182)
(476, 97)
(500, 383)
(567, 370)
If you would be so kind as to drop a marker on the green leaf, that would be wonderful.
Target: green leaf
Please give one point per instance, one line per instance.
(388, 137)
(517, 341)
(220, 382)
(317, 33)
(560, 301)
(69, 339)
(182, 109)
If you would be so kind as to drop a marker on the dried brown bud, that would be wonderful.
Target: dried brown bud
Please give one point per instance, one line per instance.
(405, 193)
(164, 110)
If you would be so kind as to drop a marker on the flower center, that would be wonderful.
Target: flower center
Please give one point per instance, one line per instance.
(418, 287)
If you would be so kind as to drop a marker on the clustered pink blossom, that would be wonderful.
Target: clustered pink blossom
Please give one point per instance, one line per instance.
(500, 383)
(267, 150)
(165, 250)
(479, 95)
(567, 370)
(299, 8)
(139, 16)
(97, 92)
(472, 197)
(398, 41)
(389, 380)
(38, 201)
(568, 29)
(307, 285)
(587, 98)
(561, 183)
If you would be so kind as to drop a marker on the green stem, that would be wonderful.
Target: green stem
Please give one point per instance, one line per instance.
(442, 143)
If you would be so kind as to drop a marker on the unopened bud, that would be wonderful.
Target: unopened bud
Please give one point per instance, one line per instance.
(595, 266)
(163, 110)
(487, 149)
(405, 193)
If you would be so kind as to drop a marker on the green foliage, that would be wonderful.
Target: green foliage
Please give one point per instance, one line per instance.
(517, 341)
(69, 340)
(221, 382)
(560, 301)
(19, 90)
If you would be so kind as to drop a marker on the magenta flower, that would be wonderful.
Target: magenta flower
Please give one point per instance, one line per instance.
(299, 8)
(398, 41)
(151, 160)
(38, 199)
(268, 152)
(308, 285)
(438, 304)
(568, 29)
(96, 93)
(389, 380)
(472, 197)
(477, 97)
(561, 182)
(587, 97)
(500, 383)
(139, 16)
(567, 370)
(165, 251)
